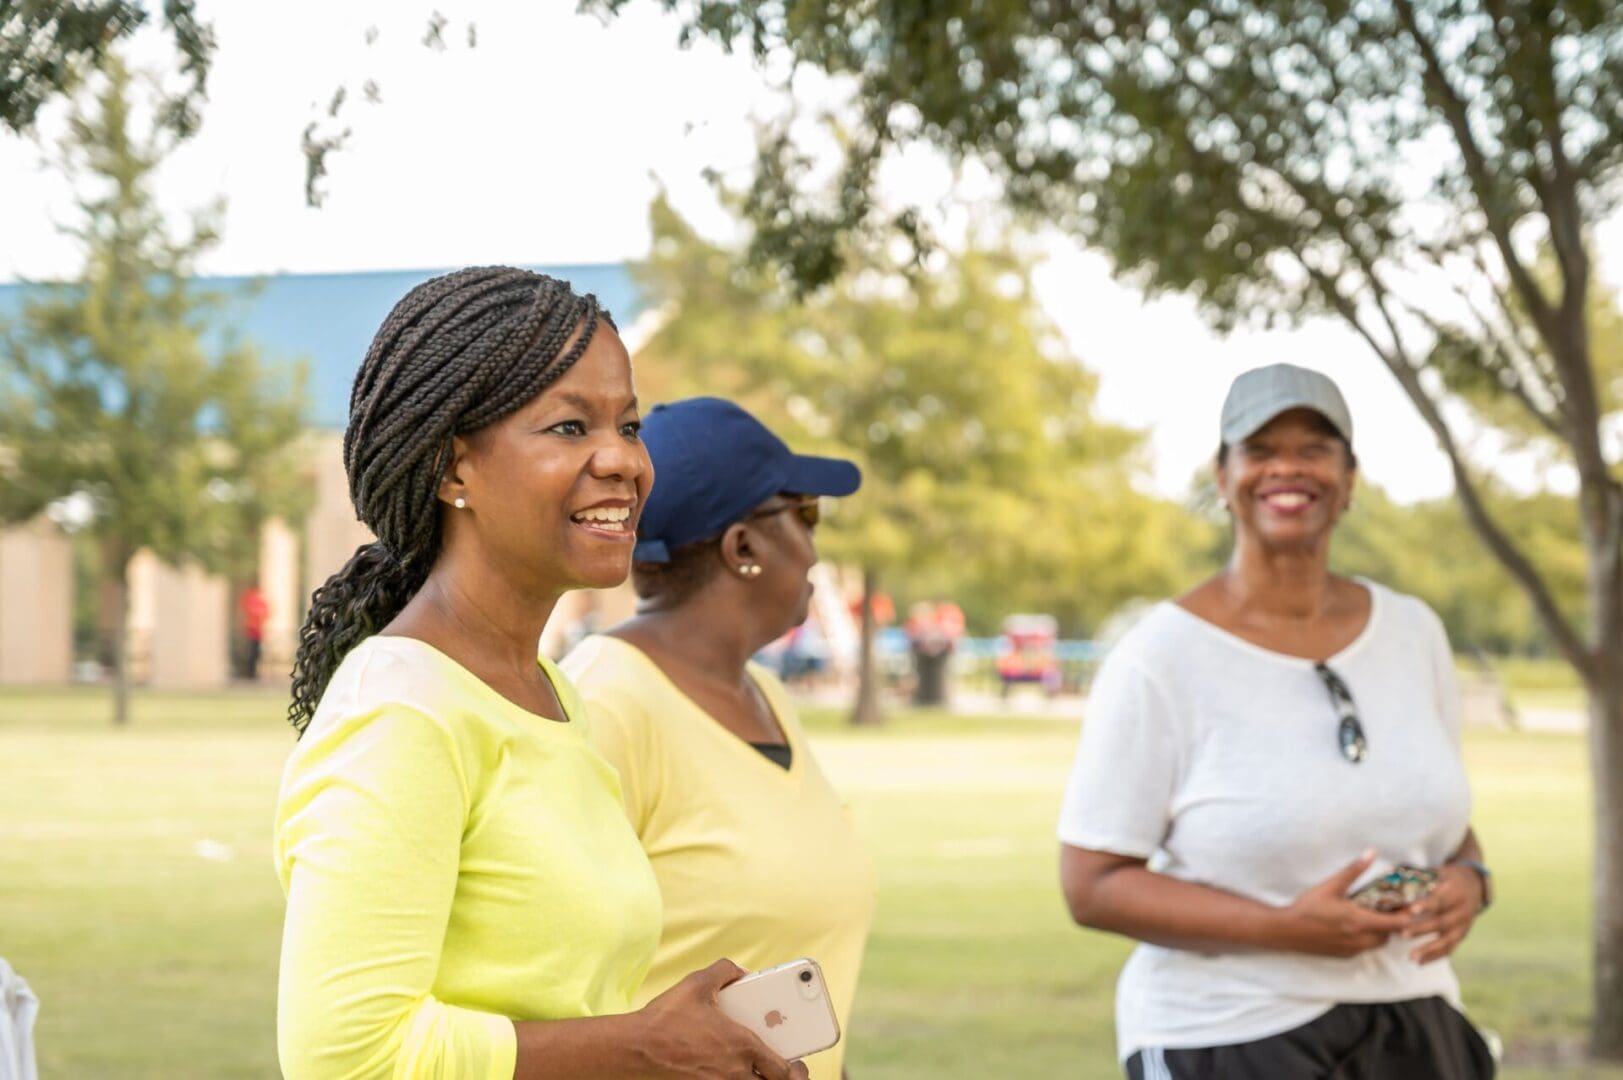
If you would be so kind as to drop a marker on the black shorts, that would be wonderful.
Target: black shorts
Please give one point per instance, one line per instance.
(1425, 1039)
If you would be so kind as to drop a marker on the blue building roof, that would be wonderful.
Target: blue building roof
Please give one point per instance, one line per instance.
(329, 319)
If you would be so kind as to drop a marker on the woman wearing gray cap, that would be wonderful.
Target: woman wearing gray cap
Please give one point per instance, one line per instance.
(1268, 784)
(756, 858)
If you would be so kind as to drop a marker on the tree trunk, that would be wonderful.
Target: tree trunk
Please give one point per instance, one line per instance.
(1606, 771)
(867, 712)
(236, 635)
(118, 569)
(1600, 506)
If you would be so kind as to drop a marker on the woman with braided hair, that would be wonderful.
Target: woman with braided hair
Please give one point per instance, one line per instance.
(464, 895)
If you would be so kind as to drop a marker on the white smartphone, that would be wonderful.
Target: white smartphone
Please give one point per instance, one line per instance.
(787, 1006)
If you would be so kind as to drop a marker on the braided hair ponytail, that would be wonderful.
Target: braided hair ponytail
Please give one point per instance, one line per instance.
(457, 353)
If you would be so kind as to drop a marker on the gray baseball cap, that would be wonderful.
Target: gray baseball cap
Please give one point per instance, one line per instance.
(1259, 395)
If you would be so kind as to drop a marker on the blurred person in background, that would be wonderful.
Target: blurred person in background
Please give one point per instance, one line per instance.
(805, 655)
(933, 630)
(1254, 751)
(464, 896)
(756, 856)
(255, 613)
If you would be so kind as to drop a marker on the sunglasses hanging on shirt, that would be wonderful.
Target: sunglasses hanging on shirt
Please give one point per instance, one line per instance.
(1354, 747)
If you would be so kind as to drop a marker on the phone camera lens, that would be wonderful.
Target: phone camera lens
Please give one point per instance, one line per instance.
(805, 976)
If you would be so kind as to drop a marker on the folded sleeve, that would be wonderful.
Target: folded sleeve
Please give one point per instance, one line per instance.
(368, 842)
(1120, 794)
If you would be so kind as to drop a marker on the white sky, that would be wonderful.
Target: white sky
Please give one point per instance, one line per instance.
(546, 144)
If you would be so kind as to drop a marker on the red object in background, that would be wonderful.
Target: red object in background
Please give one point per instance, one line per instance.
(884, 609)
(255, 613)
(943, 620)
(1030, 651)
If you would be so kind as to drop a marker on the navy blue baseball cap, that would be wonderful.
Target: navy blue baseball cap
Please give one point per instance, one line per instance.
(713, 464)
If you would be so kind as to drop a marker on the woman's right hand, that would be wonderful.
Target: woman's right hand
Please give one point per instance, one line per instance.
(686, 1036)
(1323, 922)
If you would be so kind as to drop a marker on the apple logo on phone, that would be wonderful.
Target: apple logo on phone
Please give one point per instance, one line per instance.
(774, 1018)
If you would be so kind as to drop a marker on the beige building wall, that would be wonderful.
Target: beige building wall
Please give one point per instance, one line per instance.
(279, 580)
(182, 619)
(331, 533)
(180, 625)
(141, 583)
(36, 604)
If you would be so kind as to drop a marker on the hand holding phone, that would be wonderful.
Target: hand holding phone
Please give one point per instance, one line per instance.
(684, 1033)
(1322, 921)
(787, 1006)
(1397, 889)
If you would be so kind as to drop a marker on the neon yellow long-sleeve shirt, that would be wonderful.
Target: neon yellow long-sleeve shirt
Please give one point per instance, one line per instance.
(452, 863)
(755, 862)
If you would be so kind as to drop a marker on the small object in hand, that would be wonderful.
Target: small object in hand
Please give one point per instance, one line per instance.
(1396, 890)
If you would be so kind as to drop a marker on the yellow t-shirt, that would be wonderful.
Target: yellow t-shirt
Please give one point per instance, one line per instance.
(452, 863)
(756, 863)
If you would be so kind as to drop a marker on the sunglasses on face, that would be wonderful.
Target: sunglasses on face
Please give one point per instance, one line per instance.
(808, 507)
(1354, 747)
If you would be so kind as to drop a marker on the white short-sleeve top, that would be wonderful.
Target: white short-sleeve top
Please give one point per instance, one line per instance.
(1219, 762)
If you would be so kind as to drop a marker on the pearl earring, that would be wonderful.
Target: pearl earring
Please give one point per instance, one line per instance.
(460, 503)
(750, 570)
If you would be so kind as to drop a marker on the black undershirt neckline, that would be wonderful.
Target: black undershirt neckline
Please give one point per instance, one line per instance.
(780, 754)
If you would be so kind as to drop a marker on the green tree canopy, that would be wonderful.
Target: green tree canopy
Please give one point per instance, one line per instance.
(1396, 165)
(49, 47)
(126, 388)
(988, 477)
(1479, 603)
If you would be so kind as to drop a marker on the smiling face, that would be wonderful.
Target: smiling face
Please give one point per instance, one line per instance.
(1288, 483)
(553, 491)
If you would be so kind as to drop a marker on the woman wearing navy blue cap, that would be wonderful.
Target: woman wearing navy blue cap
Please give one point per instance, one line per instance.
(756, 857)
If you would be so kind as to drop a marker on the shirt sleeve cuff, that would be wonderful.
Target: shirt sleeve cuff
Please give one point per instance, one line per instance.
(1113, 843)
(503, 1047)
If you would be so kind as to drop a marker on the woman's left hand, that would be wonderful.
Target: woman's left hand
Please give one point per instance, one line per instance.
(1447, 911)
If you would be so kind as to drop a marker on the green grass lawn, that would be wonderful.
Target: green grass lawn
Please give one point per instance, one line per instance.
(1540, 683)
(138, 898)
